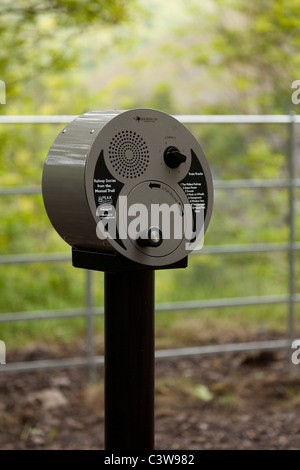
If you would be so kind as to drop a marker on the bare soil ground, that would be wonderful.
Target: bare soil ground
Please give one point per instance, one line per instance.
(229, 401)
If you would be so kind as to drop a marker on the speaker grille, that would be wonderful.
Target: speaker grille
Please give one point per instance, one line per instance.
(128, 154)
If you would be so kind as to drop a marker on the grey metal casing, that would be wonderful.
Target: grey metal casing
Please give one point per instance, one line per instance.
(101, 156)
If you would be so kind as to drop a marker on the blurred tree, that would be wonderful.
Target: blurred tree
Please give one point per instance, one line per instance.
(254, 50)
(38, 36)
(222, 56)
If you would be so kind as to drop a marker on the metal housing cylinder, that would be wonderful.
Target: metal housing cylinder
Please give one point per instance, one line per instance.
(105, 168)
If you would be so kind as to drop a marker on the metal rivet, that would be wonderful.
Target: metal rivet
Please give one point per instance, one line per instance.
(64, 131)
(91, 132)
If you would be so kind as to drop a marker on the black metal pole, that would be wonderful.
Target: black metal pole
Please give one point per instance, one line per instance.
(129, 360)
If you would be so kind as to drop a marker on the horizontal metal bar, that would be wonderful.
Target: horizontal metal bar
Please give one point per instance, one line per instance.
(236, 119)
(184, 118)
(14, 190)
(46, 314)
(218, 184)
(230, 302)
(49, 364)
(161, 354)
(247, 248)
(37, 119)
(210, 249)
(40, 258)
(161, 307)
(257, 184)
(223, 348)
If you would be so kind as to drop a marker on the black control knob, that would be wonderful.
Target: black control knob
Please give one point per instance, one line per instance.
(150, 237)
(173, 158)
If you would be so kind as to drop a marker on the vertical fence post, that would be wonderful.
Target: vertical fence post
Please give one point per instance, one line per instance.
(292, 251)
(90, 327)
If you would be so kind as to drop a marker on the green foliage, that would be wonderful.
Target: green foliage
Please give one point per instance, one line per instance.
(40, 36)
(253, 41)
(221, 56)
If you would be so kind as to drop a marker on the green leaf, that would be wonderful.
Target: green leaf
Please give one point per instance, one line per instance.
(203, 393)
